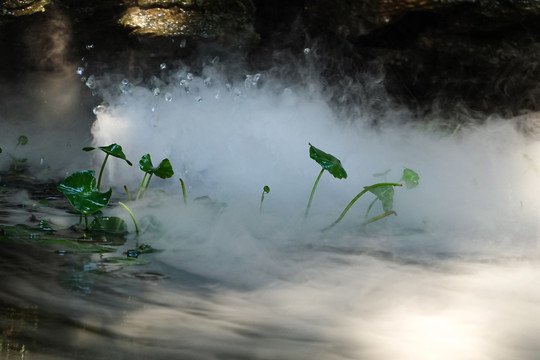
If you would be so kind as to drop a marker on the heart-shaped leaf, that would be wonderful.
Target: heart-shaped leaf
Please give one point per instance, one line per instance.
(79, 188)
(385, 194)
(410, 178)
(164, 170)
(114, 150)
(328, 162)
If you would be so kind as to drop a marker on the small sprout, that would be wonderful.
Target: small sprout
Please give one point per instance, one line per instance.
(183, 190)
(327, 162)
(80, 190)
(114, 150)
(22, 140)
(164, 171)
(266, 190)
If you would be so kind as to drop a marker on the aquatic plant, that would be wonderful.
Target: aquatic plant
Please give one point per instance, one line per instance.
(266, 190)
(21, 140)
(79, 188)
(183, 191)
(131, 214)
(164, 170)
(327, 162)
(114, 150)
(384, 192)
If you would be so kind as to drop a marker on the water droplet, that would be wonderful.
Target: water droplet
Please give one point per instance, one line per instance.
(256, 77)
(80, 70)
(189, 76)
(162, 66)
(132, 253)
(307, 51)
(153, 109)
(98, 110)
(91, 82)
(125, 81)
(156, 91)
(168, 97)
(126, 87)
(182, 43)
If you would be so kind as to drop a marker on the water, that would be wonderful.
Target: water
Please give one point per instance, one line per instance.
(451, 277)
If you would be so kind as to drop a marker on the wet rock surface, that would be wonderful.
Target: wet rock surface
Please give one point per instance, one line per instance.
(434, 57)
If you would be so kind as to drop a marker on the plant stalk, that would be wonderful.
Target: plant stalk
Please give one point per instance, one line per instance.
(378, 217)
(147, 184)
(366, 189)
(312, 193)
(86, 221)
(127, 192)
(140, 189)
(183, 191)
(101, 172)
(132, 216)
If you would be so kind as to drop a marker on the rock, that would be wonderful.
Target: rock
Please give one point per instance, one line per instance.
(22, 7)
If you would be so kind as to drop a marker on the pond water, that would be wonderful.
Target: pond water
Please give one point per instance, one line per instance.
(453, 276)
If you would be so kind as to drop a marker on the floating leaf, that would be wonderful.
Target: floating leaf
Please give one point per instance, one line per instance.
(328, 162)
(410, 178)
(111, 225)
(79, 188)
(164, 170)
(385, 194)
(266, 189)
(114, 150)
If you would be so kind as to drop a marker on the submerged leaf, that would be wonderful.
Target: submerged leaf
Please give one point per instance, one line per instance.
(410, 178)
(22, 140)
(111, 225)
(79, 188)
(114, 150)
(328, 162)
(385, 194)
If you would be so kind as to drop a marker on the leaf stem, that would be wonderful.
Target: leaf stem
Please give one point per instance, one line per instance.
(312, 193)
(366, 189)
(127, 192)
(378, 217)
(183, 191)
(101, 172)
(132, 216)
(140, 189)
(86, 221)
(147, 183)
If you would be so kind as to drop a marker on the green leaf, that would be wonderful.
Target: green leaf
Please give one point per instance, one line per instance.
(328, 162)
(410, 178)
(79, 188)
(111, 225)
(385, 194)
(22, 140)
(266, 189)
(114, 150)
(164, 170)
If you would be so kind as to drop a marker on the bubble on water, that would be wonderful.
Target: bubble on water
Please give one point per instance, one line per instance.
(156, 91)
(125, 86)
(91, 82)
(185, 85)
(89, 46)
(80, 70)
(189, 76)
(307, 51)
(168, 97)
(125, 81)
(162, 66)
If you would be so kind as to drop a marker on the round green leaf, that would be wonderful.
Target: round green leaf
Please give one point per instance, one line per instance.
(266, 189)
(410, 178)
(145, 164)
(79, 188)
(328, 162)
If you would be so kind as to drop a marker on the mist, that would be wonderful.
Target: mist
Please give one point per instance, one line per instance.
(449, 277)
